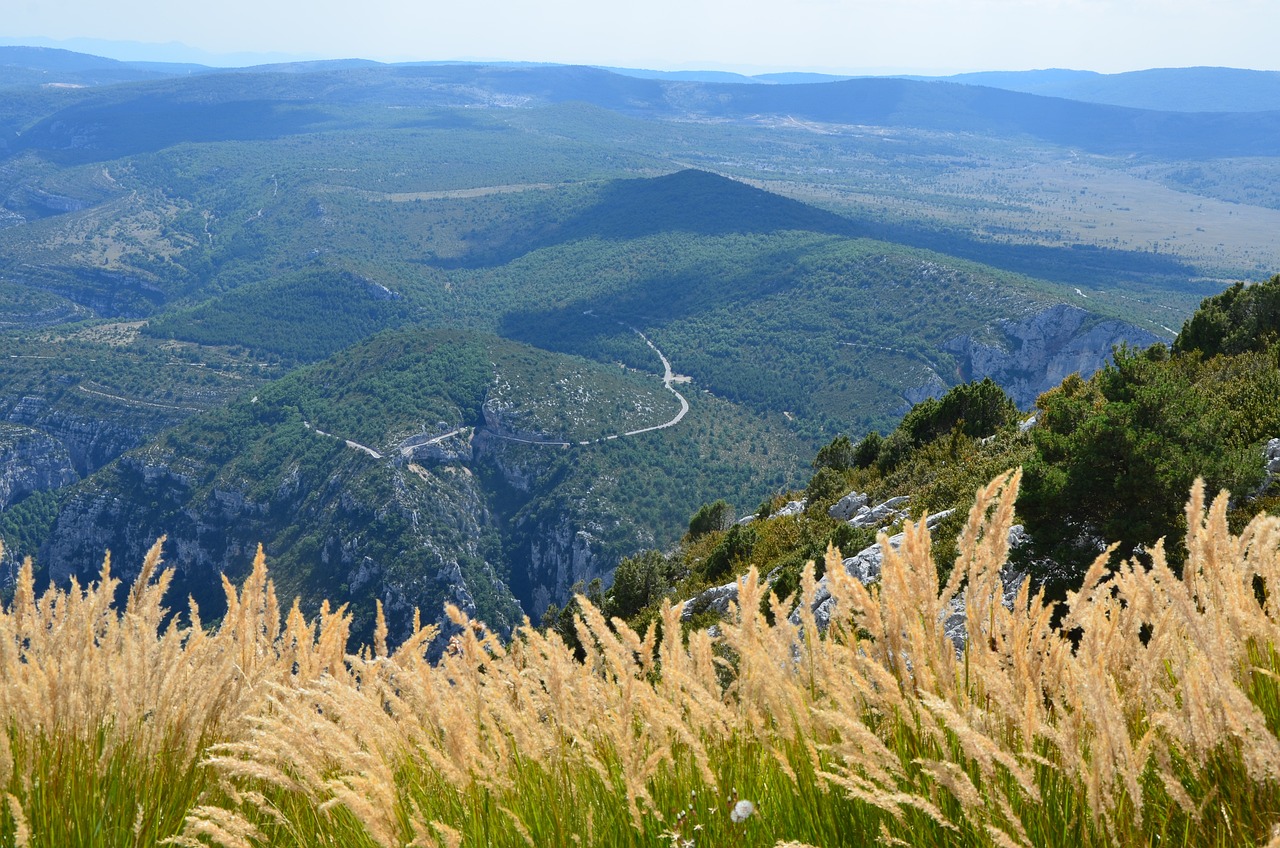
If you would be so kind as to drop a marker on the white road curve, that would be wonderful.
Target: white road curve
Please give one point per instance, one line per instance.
(354, 445)
(373, 453)
(668, 377)
(407, 448)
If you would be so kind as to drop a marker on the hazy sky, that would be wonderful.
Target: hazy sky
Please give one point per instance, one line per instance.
(925, 36)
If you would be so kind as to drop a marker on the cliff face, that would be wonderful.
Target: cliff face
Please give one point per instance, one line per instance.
(1032, 355)
(561, 556)
(31, 461)
(554, 545)
(399, 532)
(90, 430)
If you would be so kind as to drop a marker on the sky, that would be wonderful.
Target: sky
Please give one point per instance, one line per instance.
(749, 36)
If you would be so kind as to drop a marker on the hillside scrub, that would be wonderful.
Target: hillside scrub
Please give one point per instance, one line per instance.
(1155, 721)
(1240, 319)
(1114, 452)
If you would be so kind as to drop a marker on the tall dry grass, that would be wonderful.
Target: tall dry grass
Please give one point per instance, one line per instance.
(1149, 717)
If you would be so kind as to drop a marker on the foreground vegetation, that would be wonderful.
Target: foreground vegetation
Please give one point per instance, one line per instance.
(1150, 717)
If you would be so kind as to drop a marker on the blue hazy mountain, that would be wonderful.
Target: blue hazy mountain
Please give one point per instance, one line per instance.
(272, 102)
(1162, 89)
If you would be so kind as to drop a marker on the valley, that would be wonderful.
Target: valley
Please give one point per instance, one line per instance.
(416, 329)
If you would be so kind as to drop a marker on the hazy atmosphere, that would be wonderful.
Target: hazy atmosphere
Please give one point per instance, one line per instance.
(889, 36)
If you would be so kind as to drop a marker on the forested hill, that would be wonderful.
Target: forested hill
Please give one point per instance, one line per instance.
(416, 468)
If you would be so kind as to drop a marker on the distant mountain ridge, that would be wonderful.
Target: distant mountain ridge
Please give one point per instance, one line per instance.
(24, 65)
(1203, 89)
(1195, 89)
(273, 102)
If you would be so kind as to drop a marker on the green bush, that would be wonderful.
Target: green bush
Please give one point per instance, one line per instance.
(839, 455)
(825, 487)
(1239, 320)
(736, 546)
(868, 450)
(709, 518)
(638, 581)
(976, 410)
(1114, 453)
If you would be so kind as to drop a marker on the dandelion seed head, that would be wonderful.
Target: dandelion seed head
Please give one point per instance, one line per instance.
(741, 811)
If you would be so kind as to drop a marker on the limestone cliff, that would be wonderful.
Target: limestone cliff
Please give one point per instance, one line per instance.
(1031, 355)
(31, 461)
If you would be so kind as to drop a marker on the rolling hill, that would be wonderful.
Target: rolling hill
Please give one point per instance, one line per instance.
(1160, 89)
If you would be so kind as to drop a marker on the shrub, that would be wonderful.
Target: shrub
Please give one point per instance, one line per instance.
(838, 455)
(1239, 320)
(638, 582)
(710, 518)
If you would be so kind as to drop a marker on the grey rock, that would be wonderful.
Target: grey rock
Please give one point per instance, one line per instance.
(26, 410)
(937, 518)
(560, 557)
(1270, 465)
(865, 566)
(932, 387)
(791, 508)
(716, 599)
(1030, 356)
(1011, 579)
(879, 514)
(31, 461)
(380, 292)
(845, 508)
(449, 449)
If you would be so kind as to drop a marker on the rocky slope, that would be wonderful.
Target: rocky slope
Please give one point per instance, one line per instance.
(386, 473)
(31, 461)
(1031, 355)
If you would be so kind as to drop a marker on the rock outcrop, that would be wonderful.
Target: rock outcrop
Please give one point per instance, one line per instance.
(1271, 461)
(31, 461)
(449, 448)
(880, 514)
(1032, 355)
(791, 508)
(349, 528)
(561, 557)
(865, 566)
(848, 506)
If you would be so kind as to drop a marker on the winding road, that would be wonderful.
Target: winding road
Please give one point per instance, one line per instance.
(669, 379)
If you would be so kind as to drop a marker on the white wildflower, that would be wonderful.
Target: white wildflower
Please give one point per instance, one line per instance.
(742, 811)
